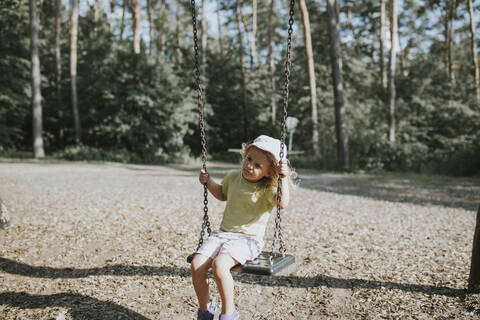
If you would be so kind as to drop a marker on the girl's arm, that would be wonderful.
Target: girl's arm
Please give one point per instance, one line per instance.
(214, 188)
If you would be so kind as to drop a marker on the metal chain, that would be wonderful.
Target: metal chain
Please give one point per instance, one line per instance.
(278, 219)
(206, 222)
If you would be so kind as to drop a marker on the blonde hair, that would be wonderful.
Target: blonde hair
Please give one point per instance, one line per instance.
(272, 179)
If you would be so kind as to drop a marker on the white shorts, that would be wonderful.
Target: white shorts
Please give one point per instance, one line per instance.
(240, 246)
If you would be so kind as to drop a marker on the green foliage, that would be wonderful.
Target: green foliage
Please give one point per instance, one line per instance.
(143, 107)
(310, 162)
(15, 78)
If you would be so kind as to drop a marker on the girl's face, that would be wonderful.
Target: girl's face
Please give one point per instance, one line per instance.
(255, 165)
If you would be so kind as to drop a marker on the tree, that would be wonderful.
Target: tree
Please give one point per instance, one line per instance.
(58, 58)
(36, 93)
(254, 30)
(383, 70)
(252, 40)
(136, 25)
(73, 68)
(474, 279)
(391, 69)
(178, 31)
(112, 11)
(340, 127)
(311, 74)
(4, 216)
(271, 60)
(163, 37)
(204, 34)
(96, 13)
(220, 37)
(451, 30)
(239, 16)
(474, 51)
(122, 23)
(151, 26)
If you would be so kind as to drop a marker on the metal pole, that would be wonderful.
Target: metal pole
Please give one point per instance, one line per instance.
(290, 139)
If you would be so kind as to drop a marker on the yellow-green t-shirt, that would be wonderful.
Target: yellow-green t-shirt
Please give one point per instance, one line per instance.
(248, 205)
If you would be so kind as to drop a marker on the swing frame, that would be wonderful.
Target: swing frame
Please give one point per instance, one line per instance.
(267, 263)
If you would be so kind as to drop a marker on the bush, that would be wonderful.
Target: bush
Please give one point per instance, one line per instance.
(464, 161)
(86, 153)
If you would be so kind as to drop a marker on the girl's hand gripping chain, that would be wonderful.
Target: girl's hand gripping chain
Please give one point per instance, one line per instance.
(283, 169)
(204, 176)
(283, 172)
(214, 188)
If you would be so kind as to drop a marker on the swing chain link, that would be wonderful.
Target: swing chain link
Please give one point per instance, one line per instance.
(206, 222)
(278, 219)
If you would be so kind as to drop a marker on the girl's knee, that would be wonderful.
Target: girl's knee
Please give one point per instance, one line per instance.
(200, 264)
(222, 263)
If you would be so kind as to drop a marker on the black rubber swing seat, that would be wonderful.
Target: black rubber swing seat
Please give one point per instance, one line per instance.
(262, 265)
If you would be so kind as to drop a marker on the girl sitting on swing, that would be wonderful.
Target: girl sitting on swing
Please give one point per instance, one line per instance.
(251, 195)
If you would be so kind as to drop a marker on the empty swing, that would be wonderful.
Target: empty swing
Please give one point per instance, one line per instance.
(268, 262)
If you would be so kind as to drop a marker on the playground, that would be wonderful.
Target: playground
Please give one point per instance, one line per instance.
(109, 241)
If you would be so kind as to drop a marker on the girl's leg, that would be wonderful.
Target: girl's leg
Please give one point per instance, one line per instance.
(223, 277)
(199, 268)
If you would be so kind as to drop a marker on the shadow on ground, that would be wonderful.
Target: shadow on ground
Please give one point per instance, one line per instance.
(424, 191)
(400, 190)
(18, 268)
(80, 306)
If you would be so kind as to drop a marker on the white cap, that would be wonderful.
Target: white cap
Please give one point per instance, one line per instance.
(270, 145)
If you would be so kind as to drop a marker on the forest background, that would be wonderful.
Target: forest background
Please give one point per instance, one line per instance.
(390, 85)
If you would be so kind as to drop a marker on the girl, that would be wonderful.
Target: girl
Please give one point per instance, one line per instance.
(251, 195)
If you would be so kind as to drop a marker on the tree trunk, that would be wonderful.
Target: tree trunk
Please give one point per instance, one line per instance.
(383, 70)
(58, 58)
(122, 24)
(349, 17)
(446, 33)
(244, 89)
(403, 57)
(96, 13)
(136, 25)
(391, 69)
(342, 139)
(402, 52)
(254, 31)
(311, 74)
(337, 19)
(249, 40)
(163, 37)
(151, 27)
(4, 216)
(474, 51)
(36, 93)
(73, 68)
(271, 61)
(204, 34)
(112, 11)
(219, 23)
(474, 279)
(179, 31)
(453, 13)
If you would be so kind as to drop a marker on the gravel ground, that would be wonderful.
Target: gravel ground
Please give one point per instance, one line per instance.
(109, 241)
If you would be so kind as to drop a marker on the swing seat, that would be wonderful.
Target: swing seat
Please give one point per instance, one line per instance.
(262, 265)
